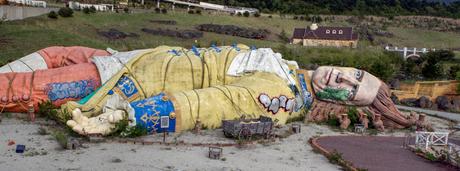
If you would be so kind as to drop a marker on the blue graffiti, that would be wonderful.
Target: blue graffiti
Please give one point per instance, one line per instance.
(126, 87)
(65, 90)
(307, 97)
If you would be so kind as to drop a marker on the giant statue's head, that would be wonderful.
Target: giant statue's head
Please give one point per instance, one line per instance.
(339, 87)
(345, 85)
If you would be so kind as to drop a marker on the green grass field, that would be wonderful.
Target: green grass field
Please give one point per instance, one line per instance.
(29, 35)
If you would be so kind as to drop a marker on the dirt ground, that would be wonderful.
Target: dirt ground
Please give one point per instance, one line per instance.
(44, 153)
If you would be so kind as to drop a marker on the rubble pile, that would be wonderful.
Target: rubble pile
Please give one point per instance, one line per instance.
(235, 31)
(184, 34)
(114, 34)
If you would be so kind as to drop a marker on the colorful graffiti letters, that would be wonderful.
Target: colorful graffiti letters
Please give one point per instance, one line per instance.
(275, 104)
(76, 89)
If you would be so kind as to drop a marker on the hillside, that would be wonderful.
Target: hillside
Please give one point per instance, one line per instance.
(443, 8)
(19, 38)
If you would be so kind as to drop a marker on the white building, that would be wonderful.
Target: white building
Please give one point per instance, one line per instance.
(99, 7)
(29, 3)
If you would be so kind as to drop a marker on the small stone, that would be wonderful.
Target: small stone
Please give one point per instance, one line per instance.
(116, 160)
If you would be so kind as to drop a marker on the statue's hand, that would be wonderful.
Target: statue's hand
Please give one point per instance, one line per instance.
(103, 124)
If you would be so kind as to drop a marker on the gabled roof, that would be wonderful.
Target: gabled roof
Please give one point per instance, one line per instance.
(328, 33)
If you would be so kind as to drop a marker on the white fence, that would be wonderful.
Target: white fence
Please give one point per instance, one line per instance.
(427, 139)
(409, 52)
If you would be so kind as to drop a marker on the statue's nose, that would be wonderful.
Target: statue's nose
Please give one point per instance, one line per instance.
(348, 79)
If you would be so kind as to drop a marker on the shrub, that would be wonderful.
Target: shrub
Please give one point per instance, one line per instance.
(191, 12)
(164, 11)
(198, 11)
(126, 10)
(86, 10)
(65, 12)
(270, 16)
(52, 15)
(61, 138)
(239, 14)
(157, 10)
(296, 17)
(92, 9)
(334, 157)
(453, 70)
(257, 14)
(458, 79)
(246, 14)
(284, 36)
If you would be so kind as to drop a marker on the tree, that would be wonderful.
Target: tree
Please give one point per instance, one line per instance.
(157, 10)
(458, 79)
(86, 10)
(246, 14)
(65, 12)
(92, 9)
(257, 14)
(164, 11)
(283, 36)
(52, 15)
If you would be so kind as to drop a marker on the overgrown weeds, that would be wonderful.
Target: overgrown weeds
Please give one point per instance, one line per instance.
(335, 157)
(61, 138)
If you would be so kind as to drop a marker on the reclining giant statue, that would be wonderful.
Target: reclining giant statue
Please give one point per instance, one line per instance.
(182, 88)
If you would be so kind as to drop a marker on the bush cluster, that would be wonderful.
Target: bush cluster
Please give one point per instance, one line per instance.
(65, 12)
(53, 15)
(91, 9)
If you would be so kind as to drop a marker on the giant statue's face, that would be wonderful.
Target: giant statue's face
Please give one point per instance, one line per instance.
(345, 85)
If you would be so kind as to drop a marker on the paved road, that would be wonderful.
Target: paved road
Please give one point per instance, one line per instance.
(21, 12)
(377, 153)
(446, 115)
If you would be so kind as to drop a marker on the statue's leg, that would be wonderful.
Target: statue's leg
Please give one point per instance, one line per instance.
(53, 57)
(19, 90)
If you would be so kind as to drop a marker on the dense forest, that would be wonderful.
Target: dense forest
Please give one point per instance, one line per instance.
(351, 7)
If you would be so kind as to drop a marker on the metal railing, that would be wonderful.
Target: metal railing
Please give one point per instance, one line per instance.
(428, 139)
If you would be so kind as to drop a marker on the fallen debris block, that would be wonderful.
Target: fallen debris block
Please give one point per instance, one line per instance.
(359, 128)
(235, 31)
(215, 153)
(296, 128)
(11, 142)
(184, 34)
(20, 148)
(73, 144)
